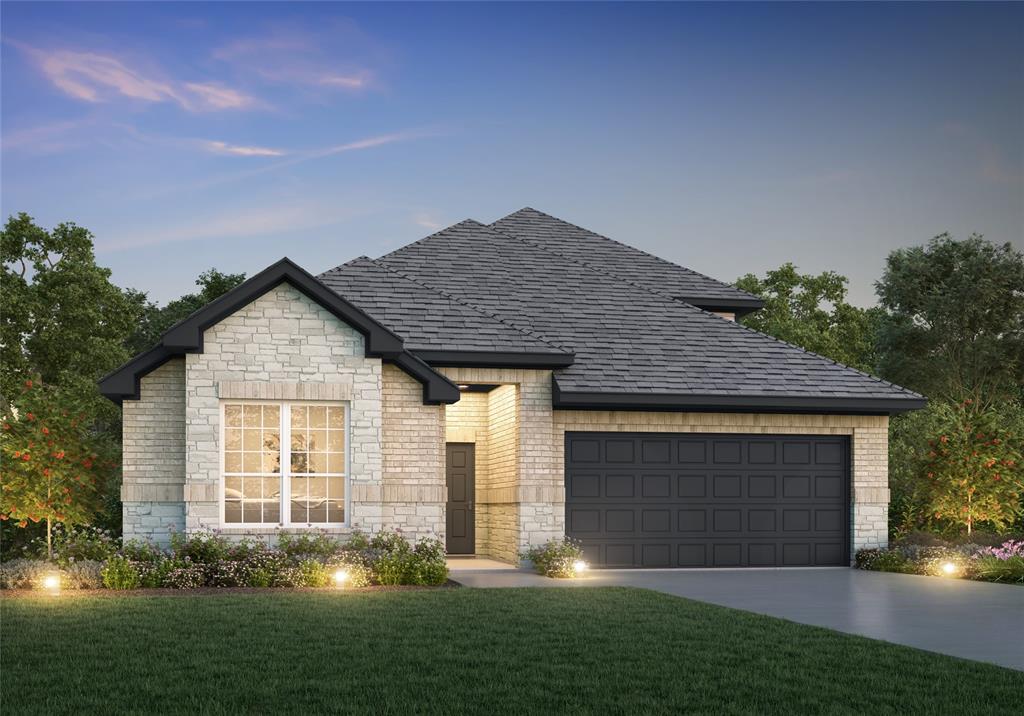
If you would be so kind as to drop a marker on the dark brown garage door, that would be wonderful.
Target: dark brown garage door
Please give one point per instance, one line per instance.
(692, 500)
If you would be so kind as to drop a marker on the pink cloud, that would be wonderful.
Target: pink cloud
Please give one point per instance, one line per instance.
(94, 77)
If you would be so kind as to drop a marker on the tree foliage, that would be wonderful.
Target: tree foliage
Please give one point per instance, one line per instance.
(155, 320)
(62, 319)
(954, 319)
(54, 465)
(965, 465)
(811, 312)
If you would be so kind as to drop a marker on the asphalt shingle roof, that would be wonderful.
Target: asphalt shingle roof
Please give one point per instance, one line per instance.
(639, 267)
(626, 338)
(425, 317)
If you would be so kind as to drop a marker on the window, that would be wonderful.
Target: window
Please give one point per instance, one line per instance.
(284, 463)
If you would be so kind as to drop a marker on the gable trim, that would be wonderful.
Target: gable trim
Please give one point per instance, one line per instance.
(186, 336)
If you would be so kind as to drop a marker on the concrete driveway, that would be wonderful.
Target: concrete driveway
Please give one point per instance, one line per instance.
(972, 620)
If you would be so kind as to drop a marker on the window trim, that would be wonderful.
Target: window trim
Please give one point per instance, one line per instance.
(286, 457)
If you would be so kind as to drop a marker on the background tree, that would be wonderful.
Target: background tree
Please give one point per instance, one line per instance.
(62, 319)
(953, 326)
(812, 312)
(53, 464)
(154, 320)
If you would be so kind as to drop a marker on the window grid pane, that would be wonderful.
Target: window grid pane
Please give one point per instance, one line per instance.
(253, 467)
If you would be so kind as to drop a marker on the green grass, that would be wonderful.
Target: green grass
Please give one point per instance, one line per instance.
(523, 651)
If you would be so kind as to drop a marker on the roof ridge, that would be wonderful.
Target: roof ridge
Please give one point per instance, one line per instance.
(428, 237)
(463, 302)
(691, 307)
(628, 246)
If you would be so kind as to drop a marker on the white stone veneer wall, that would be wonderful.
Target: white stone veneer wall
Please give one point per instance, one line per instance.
(281, 345)
(153, 456)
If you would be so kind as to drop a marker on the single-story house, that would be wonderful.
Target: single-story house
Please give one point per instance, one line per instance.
(498, 385)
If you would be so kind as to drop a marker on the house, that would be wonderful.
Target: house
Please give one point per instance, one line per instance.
(498, 385)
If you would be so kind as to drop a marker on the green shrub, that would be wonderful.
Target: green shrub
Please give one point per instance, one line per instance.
(884, 560)
(358, 573)
(395, 561)
(84, 574)
(555, 558)
(153, 574)
(200, 548)
(318, 544)
(312, 573)
(137, 551)
(358, 541)
(119, 573)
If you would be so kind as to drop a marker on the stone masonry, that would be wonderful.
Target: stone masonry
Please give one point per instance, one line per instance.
(153, 456)
(281, 343)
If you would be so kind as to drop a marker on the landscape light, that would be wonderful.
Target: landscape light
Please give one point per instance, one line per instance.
(579, 567)
(949, 568)
(339, 578)
(51, 582)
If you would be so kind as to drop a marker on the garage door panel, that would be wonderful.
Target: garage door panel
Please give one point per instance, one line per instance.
(783, 502)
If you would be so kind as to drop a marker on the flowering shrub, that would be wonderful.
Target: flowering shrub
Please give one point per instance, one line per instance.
(556, 557)
(210, 560)
(993, 564)
(73, 544)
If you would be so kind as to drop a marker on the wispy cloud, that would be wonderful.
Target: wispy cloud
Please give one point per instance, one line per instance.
(237, 223)
(241, 151)
(338, 56)
(96, 77)
(427, 220)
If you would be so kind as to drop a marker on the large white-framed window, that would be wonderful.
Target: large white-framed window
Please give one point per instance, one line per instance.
(284, 463)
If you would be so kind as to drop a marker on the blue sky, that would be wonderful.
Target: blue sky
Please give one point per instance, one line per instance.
(727, 137)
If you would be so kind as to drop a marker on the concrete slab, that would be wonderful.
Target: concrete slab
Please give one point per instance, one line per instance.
(972, 620)
(478, 563)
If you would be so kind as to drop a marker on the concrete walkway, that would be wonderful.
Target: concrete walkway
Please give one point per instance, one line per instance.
(972, 620)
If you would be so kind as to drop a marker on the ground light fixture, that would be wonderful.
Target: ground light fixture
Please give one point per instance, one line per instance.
(948, 568)
(340, 577)
(579, 567)
(51, 583)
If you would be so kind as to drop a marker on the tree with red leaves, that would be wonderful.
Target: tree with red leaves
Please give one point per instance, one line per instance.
(52, 462)
(974, 466)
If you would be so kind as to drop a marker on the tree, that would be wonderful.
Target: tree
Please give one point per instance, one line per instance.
(155, 321)
(63, 319)
(812, 312)
(53, 464)
(954, 319)
(972, 465)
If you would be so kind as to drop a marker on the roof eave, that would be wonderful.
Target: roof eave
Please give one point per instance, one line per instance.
(495, 359)
(828, 405)
(740, 306)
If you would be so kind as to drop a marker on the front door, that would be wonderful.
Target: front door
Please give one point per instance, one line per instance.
(461, 478)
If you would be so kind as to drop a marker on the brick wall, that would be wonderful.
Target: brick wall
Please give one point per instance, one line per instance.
(153, 458)
(412, 451)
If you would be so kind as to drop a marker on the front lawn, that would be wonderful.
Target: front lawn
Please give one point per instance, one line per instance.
(528, 651)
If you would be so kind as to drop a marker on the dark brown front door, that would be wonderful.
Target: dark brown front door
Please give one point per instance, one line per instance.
(461, 478)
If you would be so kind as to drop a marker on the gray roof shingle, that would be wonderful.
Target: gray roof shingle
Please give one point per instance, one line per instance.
(626, 338)
(427, 318)
(639, 267)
